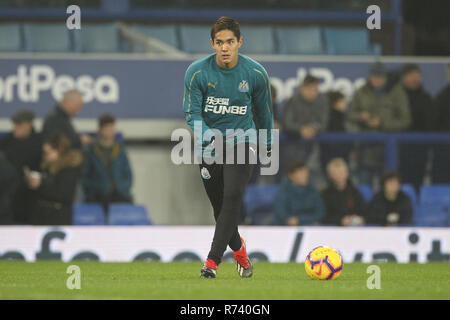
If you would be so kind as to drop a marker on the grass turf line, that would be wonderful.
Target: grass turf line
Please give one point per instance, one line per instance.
(180, 280)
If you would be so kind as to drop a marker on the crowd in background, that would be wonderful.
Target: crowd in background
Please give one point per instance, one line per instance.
(388, 102)
(42, 172)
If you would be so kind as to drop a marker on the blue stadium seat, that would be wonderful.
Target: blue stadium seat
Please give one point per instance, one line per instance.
(88, 214)
(195, 38)
(366, 192)
(434, 207)
(435, 193)
(349, 41)
(300, 40)
(47, 37)
(125, 214)
(258, 203)
(166, 33)
(410, 191)
(97, 38)
(432, 215)
(257, 40)
(10, 37)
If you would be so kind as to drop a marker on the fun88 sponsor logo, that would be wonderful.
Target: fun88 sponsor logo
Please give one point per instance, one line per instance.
(220, 106)
(29, 83)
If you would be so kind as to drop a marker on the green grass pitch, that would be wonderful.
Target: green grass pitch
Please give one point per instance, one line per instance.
(180, 280)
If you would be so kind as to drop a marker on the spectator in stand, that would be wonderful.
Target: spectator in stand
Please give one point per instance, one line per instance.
(306, 112)
(441, 158)
(305, 115)
(345, 206)
(390, 206)
(107, 174)
(8, 183)
(58, 120)
(23, 149)
(337, 122)
(378, 106)
(413, 157)
(55, 185)
(273, 93)
(297, 202)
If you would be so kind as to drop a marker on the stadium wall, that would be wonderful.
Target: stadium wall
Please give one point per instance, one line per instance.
(274, 244)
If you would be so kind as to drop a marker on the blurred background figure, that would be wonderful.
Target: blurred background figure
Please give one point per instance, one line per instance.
(378, 106)
(22, 148)
(345, 206)
(9, 181)
(59, 119)
(390, 206)
(305, 115)
(337, 122)
(107, 175)
(441, 152)
(297, 202)
(413, 157)
(55, 185)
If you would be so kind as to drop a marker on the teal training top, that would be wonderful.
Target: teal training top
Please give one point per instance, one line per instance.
(226, 98)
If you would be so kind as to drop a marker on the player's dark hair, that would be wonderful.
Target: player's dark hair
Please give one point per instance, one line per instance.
(226, 23)
(106, 119)
(389, 175)
(296, 165)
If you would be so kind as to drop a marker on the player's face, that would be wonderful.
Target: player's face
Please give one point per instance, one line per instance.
(227, 47)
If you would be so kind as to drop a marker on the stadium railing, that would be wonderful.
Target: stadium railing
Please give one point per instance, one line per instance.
(390, 140)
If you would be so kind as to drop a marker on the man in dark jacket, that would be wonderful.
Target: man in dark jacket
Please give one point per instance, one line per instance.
(390, 206)
(8, 184)
(441, 158)
(345, 206)
(22, 148)
(107, 174)
(413, 157)
(59, 120)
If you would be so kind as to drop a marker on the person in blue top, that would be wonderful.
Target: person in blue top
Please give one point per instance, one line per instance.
(224, 91)
(297, 202)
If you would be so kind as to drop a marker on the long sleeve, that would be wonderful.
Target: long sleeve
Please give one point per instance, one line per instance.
(289, 119)
(262, 102)
(193, 100)
(399, 117)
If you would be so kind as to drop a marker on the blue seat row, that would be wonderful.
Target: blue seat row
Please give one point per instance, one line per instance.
(431, 208)
(120, 214)
(191, 38)
(271, 39)
(55, 37)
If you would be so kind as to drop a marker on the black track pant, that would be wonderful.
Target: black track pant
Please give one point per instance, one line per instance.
(225, 185)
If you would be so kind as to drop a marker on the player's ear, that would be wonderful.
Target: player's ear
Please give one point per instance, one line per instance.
(212, 42)
(240, 42)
